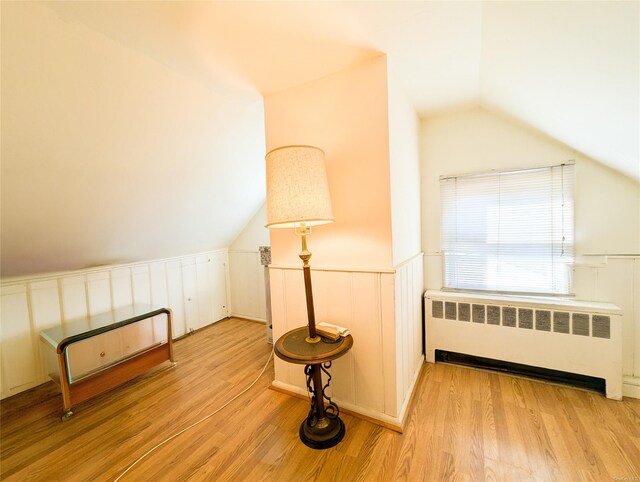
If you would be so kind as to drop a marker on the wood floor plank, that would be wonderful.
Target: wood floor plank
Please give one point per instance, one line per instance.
(464, 424)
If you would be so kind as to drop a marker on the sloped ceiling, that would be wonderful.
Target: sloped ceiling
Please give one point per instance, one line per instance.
(568, 69)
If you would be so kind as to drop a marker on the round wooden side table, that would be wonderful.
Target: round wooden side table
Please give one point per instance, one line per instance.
(323, 427)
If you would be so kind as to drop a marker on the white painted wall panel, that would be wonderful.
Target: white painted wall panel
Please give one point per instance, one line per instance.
(333, 304)
(386, 303)
(141, 284)
(368, 348)
(247, 285)
(45, 313)
(74, 297)
(158, 284)
(408, 299)
(279, 312)
(367, 379)
(19, 362)
(616, 279)
(99, 292)
(121, 291)
(615, 285)
(219, 283)
(204, 275)
(176, 296)
(45, 304)
(190, 289)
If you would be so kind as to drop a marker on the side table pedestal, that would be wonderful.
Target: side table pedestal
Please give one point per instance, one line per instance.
(323, 427)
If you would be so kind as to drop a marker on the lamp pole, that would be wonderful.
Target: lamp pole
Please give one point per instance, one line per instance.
(305, 255)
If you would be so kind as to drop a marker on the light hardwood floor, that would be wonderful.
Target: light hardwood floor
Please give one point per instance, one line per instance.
(464, 424)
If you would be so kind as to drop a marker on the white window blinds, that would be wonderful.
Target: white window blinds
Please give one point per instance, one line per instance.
(509, 231)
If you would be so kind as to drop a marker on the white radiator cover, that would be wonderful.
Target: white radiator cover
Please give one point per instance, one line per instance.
(573, 336)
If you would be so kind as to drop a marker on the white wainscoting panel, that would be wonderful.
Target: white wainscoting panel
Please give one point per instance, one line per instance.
(20, 368)
(121, 287)
(45, 310)
(74, 297)
(616, 279)
(194, 287)
(408, 306)
(382, 309)
(141, 284)
(99, 292)
(247, 285)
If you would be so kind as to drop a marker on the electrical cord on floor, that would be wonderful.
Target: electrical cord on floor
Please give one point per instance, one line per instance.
(196, 423)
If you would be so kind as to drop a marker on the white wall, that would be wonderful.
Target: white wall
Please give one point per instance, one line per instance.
(194, 287)
(254, 234)
(109, 156)
(404, 166)
(354, 281)
(607, 202)
(607, 206)
(346, 115)
(570, 69)
(246, 273)
(404, 178)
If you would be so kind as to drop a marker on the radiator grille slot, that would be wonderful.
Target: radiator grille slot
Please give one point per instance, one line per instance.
(464, 311)
(436, 309)
(478, 313)
(509, 316)
(580, 324)
(450, 310)
(543, 320)
(601, 326)
(561, 322)
(493, 315)
(525, 318)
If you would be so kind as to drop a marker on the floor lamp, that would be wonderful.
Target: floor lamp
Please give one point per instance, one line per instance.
(298, 197)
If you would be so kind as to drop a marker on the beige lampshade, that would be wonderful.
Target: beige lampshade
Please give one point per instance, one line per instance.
(297, 187)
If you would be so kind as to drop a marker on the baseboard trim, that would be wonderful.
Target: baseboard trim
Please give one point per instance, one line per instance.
(380, 419)
(248, 318)
(631, 387)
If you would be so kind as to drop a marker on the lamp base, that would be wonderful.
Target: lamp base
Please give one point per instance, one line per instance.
(326, 433)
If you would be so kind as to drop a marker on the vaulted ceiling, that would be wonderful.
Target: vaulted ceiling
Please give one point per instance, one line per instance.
(134, 130)
(567, 69)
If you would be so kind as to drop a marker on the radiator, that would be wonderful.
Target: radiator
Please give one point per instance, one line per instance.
(578, 337)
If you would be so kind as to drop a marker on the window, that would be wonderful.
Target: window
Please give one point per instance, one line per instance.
(509, 231)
